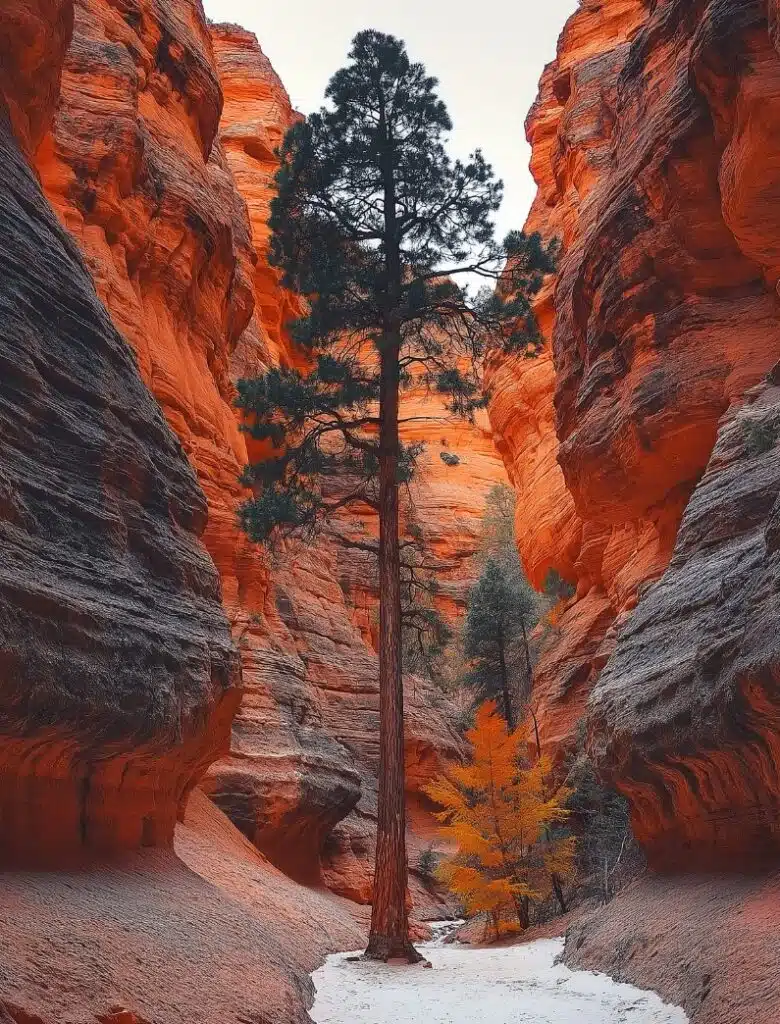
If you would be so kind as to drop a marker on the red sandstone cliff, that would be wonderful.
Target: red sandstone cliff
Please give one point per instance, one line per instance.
(643, 447)
(119, 677)
(160, 164)
(637, 442)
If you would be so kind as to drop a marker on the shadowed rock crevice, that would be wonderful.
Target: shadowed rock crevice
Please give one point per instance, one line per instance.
(119, 677)
(655, 154)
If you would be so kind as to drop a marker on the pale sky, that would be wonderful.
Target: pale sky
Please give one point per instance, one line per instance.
(488, 62)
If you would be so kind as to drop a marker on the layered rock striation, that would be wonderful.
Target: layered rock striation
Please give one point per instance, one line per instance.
(686, 713)
(305, 748)
(652, 151)
(118, 675)
(160, 163)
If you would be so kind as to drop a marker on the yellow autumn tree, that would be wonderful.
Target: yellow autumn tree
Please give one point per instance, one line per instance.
(497, 811)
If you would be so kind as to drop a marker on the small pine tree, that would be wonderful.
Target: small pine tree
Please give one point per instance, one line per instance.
(427, 863)
(498, 527)
(608, 856)
(557, 588)
(502, 609)
(497, 810)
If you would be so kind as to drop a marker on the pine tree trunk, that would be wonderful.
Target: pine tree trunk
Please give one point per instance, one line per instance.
(527, 647)
(558, 890)
(536, 731)
(389, 936)
(525, 912)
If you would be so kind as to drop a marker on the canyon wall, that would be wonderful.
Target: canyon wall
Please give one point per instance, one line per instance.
(160, 164)
(118, 676)
(650, 416)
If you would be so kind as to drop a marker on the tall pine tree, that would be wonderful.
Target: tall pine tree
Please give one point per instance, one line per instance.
(375, 224)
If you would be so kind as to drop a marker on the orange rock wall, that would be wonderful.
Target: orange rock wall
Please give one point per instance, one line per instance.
(34, 35)
(160, 164)
(652, 152)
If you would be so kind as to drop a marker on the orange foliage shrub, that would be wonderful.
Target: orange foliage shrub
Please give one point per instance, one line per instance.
(496, 809)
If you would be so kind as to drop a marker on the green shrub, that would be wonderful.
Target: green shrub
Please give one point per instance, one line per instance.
(557, 587)
(427, 863)
(759, 436)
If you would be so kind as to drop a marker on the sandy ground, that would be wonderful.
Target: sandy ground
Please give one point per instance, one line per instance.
(501, 985)
(709, 943)
(214, 936)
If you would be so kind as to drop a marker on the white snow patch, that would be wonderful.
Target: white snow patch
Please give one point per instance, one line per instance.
(507, 985)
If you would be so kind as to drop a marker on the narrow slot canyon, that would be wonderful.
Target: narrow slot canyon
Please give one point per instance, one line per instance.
(190, 721)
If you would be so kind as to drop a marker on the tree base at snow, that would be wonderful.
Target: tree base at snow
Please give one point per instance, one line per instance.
(391, 951)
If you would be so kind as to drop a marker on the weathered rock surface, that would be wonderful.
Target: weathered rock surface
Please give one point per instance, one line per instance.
(168, 240)
(160, 164)
(34, 35)
(686, 714)
(213, 934)
(257, 113)
(119, 676)
(704, 942)
(651, 141)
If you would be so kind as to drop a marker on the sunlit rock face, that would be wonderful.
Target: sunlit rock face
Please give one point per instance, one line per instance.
(305, 743)
(34, 35)
(118, 676)
(160, 163)
(257, 113)
(653, 152)
(134, 169)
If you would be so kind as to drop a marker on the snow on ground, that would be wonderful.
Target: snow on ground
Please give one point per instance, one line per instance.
(504, 985)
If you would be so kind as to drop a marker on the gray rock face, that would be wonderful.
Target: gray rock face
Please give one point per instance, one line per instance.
(118, 677)
(686, 715)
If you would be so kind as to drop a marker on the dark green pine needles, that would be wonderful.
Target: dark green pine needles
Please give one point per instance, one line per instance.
(376, 226)
(502, 610)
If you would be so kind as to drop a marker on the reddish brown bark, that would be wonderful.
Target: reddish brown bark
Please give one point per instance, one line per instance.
(389, 937)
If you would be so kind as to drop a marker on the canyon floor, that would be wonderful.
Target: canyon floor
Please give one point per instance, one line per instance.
(493, 985)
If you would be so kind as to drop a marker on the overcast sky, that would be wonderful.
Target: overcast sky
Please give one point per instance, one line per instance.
(488, 63)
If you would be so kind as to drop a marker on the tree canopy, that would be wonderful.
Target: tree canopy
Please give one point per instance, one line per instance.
(377, 226)
(502, 609)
